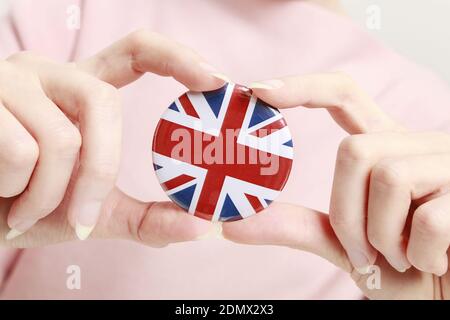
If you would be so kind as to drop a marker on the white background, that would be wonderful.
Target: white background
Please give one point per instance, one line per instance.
(419, 29)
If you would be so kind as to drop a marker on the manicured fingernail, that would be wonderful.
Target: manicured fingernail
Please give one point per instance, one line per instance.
(221, 76)
(13, 233)
(267, 84)
(399, 264)
(436, 271)
(214, 72)
(359, 261)
(83, 231)
(440, 273)
(215, 232)
(86, 218)
(363, 270)
(19, 228)
(443, 267)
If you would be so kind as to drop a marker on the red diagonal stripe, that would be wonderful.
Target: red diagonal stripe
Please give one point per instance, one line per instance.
(187, 106)
(254, 201)
(269, 128)
(178, 181)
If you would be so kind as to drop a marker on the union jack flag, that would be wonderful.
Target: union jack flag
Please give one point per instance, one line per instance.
(228, 188)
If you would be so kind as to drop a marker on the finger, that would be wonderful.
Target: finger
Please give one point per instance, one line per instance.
(18, 155)
(21, 94)
(430, 236)
(349, 105)
(58, 141)
(291, 226)
(144, 51)
(357, 155)
(394, 183)
(155, 224)
(96, 106)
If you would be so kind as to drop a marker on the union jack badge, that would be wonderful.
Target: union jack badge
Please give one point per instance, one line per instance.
(222, 155)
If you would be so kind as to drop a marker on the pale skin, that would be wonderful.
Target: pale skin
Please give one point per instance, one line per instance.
(60, 142)
(60, 150)
(390, 202)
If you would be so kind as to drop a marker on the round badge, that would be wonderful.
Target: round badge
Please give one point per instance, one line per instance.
(222, 155)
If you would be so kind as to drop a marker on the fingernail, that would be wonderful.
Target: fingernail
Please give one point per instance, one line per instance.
(436, 271)
(399, 264)
(83, 231)
(215, 232)
(13, 233)
(86, 218)
(19, 228)
(363, 270)
(221, 76)
(214, 72)
(267, 84)
(359, 261)
(440, 273)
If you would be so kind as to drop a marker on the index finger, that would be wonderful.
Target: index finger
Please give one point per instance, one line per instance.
(348, 104)
(356, 113)
(144, 51)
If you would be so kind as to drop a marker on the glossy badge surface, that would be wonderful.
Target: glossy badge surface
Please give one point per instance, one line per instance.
(222, 155)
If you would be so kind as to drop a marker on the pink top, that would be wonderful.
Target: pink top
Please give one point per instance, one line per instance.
(247, 40)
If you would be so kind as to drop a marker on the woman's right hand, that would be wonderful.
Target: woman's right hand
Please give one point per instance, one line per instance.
(60, 139)
(388, 224)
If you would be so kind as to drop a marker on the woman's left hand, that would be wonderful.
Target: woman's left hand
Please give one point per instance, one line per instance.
(390, 204)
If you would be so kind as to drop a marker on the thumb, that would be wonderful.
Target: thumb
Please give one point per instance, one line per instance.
(290, 226)
(155, 224)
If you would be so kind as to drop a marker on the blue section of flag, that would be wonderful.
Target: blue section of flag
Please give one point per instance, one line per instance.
(229, 210)
(156, 167)
(184, 197)
(215, 99)
(288, 143)
(268, 201)
(174, 107)
(261, 113)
